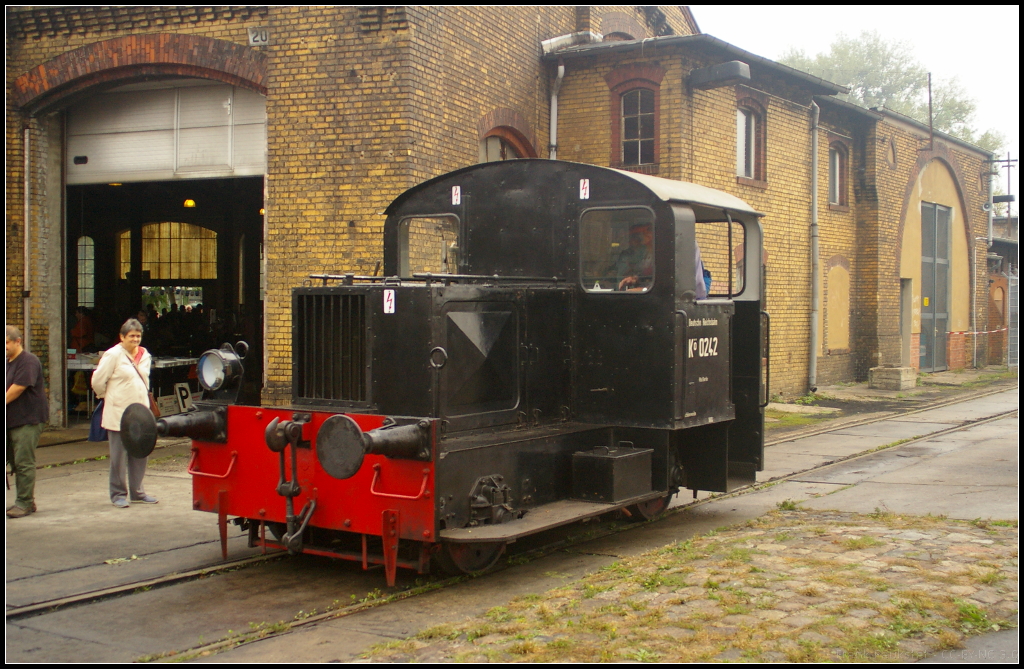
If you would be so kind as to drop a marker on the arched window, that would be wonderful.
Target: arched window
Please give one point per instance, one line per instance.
(504, 142)
(838, 158)
(635, 118)
(86, 272)
(638, 127)
(172, 250)
(496, 148)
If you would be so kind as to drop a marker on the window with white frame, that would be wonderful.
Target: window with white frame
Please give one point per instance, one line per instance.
(837, 168)
(747, 135)
(638, 127)
(86, 272)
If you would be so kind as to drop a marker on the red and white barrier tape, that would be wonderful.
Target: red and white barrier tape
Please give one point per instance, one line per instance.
(979, 333)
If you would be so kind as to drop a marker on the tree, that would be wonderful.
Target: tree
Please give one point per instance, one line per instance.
(883, 73)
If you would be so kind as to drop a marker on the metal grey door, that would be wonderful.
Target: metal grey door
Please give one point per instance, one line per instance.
(934, 285)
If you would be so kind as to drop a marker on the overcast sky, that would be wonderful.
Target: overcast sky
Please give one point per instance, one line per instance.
(979, 44)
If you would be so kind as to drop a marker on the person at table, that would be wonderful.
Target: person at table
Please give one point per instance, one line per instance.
(122, 379)
(83, 333)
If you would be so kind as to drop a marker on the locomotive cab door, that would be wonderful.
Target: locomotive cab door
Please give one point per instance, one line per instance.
(718, 348)
(706, 287)
(624, 331)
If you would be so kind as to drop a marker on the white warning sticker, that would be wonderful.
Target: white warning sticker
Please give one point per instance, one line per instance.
(584, 189)
(389, 301)
(456, 194)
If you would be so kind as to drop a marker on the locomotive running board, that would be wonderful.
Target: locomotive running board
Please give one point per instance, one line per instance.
(562, 512)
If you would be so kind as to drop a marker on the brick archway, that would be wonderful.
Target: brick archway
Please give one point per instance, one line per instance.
(109, 63)
(511, 126)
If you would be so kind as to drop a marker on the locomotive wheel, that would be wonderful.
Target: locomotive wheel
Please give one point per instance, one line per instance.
(649, 510)
(458, 559)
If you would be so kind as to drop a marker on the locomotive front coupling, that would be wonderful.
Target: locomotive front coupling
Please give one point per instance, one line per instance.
(140, 429)
(341, 446)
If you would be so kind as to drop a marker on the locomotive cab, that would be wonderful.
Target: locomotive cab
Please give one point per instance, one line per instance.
(549, 342)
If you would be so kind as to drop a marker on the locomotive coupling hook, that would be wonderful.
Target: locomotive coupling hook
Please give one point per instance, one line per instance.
(279, 434)
(293, 537)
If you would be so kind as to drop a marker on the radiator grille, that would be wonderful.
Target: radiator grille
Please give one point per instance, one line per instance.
(330, 347)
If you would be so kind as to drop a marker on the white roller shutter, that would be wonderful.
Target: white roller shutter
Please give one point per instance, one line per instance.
(160, 131)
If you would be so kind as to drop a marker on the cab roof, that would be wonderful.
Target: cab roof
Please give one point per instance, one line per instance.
(708, 203)
(671, 190)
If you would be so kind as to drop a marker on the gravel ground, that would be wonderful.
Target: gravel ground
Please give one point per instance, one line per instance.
(793, 585)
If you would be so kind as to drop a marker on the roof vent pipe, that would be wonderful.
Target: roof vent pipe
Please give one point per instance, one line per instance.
(812, 367)
(553, 129)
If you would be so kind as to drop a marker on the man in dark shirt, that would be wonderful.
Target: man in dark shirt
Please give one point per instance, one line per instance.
(27, 415)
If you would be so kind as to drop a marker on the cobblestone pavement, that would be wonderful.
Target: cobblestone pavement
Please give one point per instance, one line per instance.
(793, 585)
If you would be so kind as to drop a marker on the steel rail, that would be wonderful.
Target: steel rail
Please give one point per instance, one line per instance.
(811, 432)
(232, 642)
(49, 606)
(85, 598)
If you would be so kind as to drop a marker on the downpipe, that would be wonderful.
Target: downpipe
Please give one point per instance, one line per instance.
(974, 272)
(26, 292)
(553, 116)
(812, 367)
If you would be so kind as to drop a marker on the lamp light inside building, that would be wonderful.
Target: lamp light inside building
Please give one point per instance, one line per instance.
(263, 212)
(189, 204)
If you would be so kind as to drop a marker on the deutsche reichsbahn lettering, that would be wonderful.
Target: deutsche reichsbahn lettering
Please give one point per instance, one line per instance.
(703, 347)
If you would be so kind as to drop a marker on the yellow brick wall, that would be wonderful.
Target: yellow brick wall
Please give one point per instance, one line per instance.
(837, 247)
(698, 143)
(881, 206)
(357, 117)
(29, 44)
(359, 111)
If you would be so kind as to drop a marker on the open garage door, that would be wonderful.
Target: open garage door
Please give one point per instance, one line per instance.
(157, 131)
(165, 188)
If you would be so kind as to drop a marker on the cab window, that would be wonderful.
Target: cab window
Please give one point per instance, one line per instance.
(428, 244)
(617, 250)
(720, 257)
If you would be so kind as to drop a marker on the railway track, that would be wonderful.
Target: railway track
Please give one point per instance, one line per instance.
(524, 552)
(893, 415)
(144, 585)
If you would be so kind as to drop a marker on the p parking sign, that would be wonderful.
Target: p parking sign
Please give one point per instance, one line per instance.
(183, 394)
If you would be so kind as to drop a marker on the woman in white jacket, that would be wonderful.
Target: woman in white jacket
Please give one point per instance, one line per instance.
(122, 379)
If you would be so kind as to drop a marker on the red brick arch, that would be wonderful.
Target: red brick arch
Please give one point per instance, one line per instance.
(511, 126)
(71, 75)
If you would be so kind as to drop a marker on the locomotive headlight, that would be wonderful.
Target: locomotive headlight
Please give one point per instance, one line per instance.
(219, 368)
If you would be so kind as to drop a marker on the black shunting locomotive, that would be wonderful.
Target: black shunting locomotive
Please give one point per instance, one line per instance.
(548, 342)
